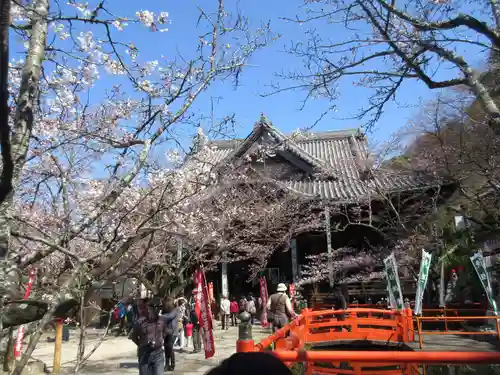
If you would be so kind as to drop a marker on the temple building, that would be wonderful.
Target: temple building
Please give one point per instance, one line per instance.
(333, 171)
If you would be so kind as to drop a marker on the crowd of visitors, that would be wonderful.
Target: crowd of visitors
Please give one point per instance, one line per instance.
(160, 328)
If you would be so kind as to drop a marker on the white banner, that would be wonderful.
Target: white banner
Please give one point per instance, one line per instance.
(480, 266)
(390, 298)
(425, 265)
(293, 253)
(391, 270)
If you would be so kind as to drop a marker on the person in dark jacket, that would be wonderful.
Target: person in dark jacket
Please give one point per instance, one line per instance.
(170, 315)
(130, 315)
(148, 334)
(196, 329)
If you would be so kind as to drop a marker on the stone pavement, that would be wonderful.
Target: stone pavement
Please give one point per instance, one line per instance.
(117, 355)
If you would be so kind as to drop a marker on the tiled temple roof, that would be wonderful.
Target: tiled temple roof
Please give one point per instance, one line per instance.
(340, 159)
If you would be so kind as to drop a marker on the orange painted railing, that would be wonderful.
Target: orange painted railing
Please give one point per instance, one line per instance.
(313, 327)
(421, 332)
(452, 312)
(358, 324)
(338, 325)
(379, 362)
(380, 357)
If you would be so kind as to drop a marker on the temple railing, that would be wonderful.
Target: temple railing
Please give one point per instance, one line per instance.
(333, 327)
(313, 327)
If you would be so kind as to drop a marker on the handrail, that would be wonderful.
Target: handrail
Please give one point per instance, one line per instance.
(358, 324)
(389, 357)
(421, 332)
(279, 334)
(317, 326)
(456, 318)
(361, 324)
(315, 313)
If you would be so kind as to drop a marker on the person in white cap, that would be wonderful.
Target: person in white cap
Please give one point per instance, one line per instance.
(280, 306)
(225, 306)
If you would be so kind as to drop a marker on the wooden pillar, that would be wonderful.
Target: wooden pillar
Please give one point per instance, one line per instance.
(224, 283)
(442, 286)
(329, 244)
(345, 291)
(58, 347)
(295, 267)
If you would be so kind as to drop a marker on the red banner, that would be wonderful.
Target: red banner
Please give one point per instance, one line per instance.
(264, 298)
(20, 331)
(292, 295)
(211, 292)
(198, 282)
(206, 322)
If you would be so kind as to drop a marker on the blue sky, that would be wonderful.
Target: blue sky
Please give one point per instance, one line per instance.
(282, 109)
(246, 101)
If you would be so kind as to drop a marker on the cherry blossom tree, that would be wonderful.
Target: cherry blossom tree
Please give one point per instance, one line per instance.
(241, 215)
(451, 139)
(384, 44)
(90, 119)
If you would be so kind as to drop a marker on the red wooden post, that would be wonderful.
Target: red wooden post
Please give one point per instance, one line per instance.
(58, 347)
(403, 326)
(411, 326)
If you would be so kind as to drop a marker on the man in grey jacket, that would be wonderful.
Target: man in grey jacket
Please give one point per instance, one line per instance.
(170, 314)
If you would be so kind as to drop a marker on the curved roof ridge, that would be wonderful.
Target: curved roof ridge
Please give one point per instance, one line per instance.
(265, 125)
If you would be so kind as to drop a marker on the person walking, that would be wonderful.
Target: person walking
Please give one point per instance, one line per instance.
(141, 307)
(121, 314)
(183, 320)
(233, 309)
(148, 334)
(225, 311)
(130, 316)
(170, 314)
(193, 317)
(251, 308)
(280, 306)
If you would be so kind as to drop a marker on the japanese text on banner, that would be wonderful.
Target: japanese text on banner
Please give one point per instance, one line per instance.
(391, 271)
(425, 265)
(479, 264)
